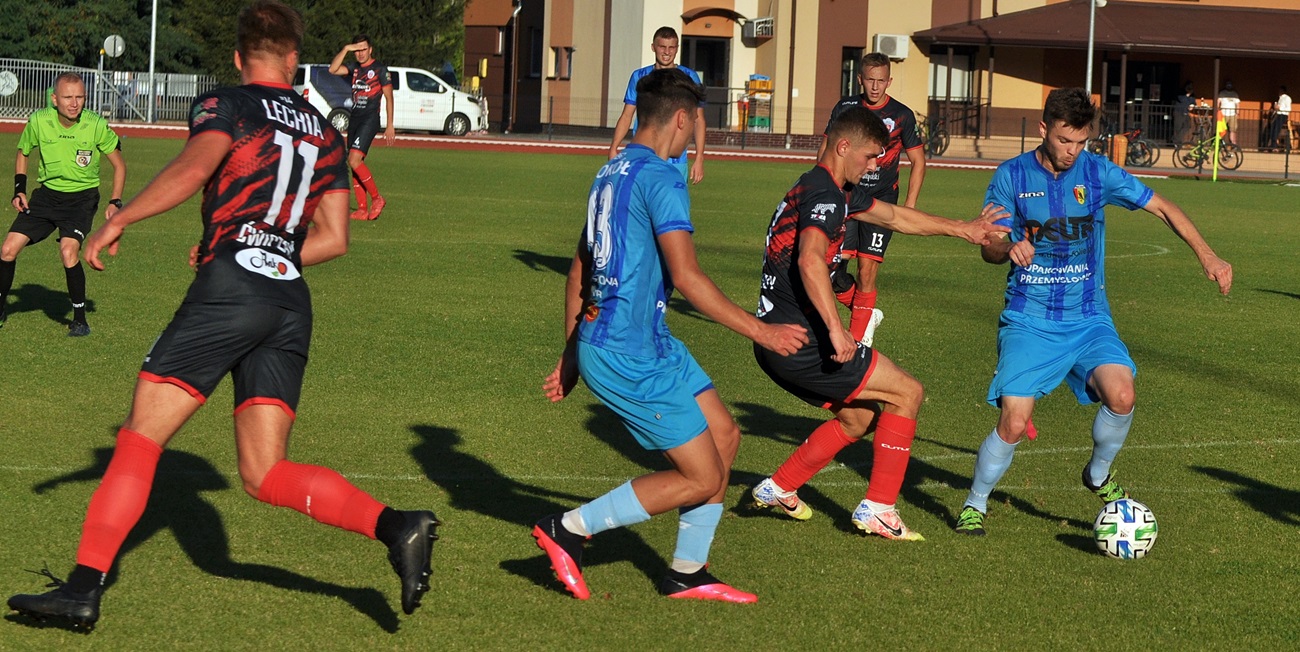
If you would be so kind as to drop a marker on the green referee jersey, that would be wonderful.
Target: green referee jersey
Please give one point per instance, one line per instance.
(69, 155)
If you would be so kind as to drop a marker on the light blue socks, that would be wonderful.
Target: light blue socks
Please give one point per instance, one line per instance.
(1109, 430)
(992, 461)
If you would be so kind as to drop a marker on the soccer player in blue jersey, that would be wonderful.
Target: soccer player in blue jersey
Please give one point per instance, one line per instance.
(1056, 325)
(664, 46)
(636, 248)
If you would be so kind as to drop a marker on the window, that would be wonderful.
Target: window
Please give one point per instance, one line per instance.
(501, 40)
(422, 83)
(396, 78)
(850, 60)
(962, 76)
(568, 63)
(555, 61)
(535, 52)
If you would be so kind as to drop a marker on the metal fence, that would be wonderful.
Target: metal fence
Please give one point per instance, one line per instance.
(117, 95)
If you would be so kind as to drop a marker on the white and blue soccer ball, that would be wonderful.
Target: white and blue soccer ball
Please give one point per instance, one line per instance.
(1125, 529)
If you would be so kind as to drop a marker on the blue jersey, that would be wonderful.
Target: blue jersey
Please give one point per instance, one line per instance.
(1066, 220)
(636, 197)
(630, 96)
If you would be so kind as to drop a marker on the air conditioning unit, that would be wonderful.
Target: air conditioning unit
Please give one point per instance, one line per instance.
(757, 28)
(893, 46)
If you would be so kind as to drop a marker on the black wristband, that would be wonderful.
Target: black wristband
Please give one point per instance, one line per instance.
(115, 202)
(20, 184)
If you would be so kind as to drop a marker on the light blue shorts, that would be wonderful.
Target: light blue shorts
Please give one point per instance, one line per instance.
(655, 397)
(1035, 355)
(683, 165)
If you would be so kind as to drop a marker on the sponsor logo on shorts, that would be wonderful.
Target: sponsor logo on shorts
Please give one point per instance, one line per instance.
(260, 261)
(83, 157)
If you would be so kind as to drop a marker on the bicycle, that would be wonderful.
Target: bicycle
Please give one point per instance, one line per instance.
(1141, 152)
(1195, 154)
(933, 136)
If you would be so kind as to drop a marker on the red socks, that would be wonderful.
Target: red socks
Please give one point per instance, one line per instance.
(361, 175)
(846, 297)
(811, 456)
(863, 302)
(322, 494)
(892, 450)
(360, 192)
(119, 501)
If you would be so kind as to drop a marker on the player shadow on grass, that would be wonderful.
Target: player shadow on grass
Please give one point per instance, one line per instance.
(761, 421)
(539, 262)
(176, 504)
(56, 305)
(1278, 503)
(1292, 295)
(474, 485)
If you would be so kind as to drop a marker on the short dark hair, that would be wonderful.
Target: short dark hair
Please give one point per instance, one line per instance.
(665, 32)
(858, 124)
(269, 27)
(663, 92)
(362, 38)
(874, 60)
(1073, 106)
(68, 78)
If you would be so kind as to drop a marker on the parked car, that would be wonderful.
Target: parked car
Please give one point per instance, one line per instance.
(421, 100)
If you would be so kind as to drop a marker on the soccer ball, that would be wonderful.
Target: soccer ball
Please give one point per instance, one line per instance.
(1125, 529)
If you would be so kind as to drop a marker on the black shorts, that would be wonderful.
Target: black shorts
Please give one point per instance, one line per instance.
(814, 378)
(262, 346)
(362, 129)
(863, 240)
(72, 213)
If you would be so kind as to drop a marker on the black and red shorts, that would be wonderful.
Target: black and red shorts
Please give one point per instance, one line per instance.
(262, 346)
(814, 378)
(362, 129)
(72, 213)
(863, 240)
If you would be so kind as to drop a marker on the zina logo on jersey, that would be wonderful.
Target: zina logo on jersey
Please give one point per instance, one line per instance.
(267, 264)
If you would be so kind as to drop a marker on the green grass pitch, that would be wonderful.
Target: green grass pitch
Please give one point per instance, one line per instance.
(433, 336)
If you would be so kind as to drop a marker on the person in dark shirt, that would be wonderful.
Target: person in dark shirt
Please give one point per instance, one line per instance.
(370, 81)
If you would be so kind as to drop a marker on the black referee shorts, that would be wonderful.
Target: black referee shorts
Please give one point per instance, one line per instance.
(72, 213)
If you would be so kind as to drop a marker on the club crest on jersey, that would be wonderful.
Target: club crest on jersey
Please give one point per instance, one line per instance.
(889, 125)
(1081, 195)
(274, 266)
(83, 157)
(370, 74)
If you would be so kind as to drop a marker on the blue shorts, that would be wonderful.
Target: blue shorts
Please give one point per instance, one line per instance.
(655, 397)
(683, 164)
(1035, 355)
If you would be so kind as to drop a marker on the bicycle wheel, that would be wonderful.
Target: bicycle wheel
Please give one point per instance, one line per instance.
(1155, 153)
(1187, 155)
(1139, 154)
(1097, 146)
(1230, 156)
(938, 143)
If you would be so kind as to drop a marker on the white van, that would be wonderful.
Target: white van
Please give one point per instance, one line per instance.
(421, 100)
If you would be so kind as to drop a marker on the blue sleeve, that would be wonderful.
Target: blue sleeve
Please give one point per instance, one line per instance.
(695, 77)
(630, 96)
(1124, 189)
(664, 191)
(1001, 190)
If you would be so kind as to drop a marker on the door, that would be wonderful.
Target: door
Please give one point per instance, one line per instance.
(711, 58)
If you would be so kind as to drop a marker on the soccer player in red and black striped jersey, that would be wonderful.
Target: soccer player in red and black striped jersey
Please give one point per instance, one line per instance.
(370, 81)
(269, 167)
(864, 241)
(862, 388)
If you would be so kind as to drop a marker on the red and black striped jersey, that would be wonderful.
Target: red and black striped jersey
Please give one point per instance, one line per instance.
(368, 84)
(815, 202)
(901, 123)
(284, 156)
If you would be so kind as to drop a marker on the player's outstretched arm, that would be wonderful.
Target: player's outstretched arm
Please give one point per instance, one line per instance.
(816, 278)
(699, 289)
(1216, 269)
(561, 381)
(911, 221)
(177, 182)
(621, 128)
(327, 238)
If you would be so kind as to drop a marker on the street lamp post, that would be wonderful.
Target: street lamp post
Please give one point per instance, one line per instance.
(1092, 31)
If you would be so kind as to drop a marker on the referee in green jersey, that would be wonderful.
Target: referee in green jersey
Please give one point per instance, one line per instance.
(70, 142)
